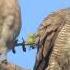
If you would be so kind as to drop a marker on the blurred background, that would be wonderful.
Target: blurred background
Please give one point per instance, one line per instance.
(32, 14)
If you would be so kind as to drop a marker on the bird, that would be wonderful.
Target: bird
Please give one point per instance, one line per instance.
(10, 24)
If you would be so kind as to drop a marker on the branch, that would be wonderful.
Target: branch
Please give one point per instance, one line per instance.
(24, 44)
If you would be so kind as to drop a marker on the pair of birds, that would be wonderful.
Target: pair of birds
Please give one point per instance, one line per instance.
(10, 26)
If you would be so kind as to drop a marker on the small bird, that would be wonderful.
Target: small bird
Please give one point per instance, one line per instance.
(31, 39)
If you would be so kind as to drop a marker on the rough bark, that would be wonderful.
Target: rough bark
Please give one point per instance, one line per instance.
(54, 45)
